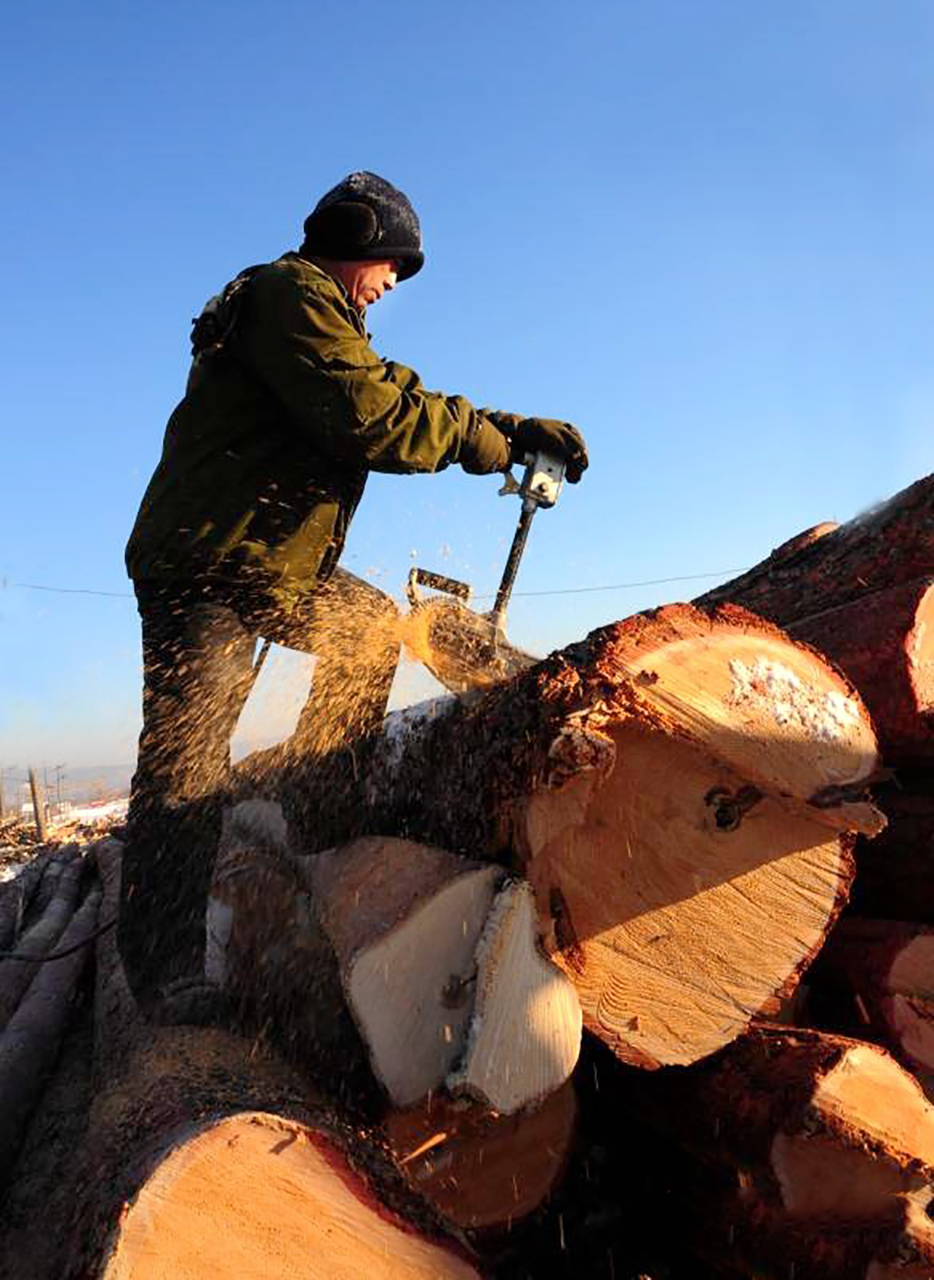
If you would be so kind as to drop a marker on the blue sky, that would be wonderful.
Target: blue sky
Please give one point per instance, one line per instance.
(701, 231)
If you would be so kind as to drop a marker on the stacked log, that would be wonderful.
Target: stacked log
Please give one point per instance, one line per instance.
(39, 977)
(650, 834)
(794, 1152)
(679, 790)
(205, 1158)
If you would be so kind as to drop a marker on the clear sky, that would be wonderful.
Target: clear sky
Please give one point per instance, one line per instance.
(699, 230)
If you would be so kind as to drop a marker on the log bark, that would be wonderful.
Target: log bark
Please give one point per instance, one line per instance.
(883, 548)
(895, 880)
(674, 788)
(483, 1171)
(801, 1150)
(33, 1035)
(16, 973)
(884, 642)
(117, 1024)
(16, 894)
(875, 978)
(210, 1159)
(268, 949)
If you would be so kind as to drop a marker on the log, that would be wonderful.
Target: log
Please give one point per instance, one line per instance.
(440, 967)
(31, 1039)
(483, 1171)
(435, 957)
(884, 642)
(798, 1151)
(268, 950)
(116, 1018)
(895, 879)
(45, 890)
(828, 567)
(16, 894)
(211, 1159)
(674, 788)
(525, 1032)
(15, 972)
(878, 976)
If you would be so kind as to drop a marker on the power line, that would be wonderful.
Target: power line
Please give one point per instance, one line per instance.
(621, 586)
(554, 591)
(70, 591)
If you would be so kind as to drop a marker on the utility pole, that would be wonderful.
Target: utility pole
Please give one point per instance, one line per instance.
(38, 805)
(6, 768)
(59, 775)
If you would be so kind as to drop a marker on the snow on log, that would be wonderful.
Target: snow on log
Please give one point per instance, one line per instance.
(674, 788)
(209, 1159)
(830, 566)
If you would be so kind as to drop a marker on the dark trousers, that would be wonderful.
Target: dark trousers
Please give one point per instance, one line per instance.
(198, 652)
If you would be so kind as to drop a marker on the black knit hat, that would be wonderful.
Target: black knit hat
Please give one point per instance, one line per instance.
(363, 218)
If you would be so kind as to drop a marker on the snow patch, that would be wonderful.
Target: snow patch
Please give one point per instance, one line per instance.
(770, 685)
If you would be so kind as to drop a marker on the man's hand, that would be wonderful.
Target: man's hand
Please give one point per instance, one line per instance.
(544, 435)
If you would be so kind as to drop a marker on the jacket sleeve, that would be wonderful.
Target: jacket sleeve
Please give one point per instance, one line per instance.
(357, 408)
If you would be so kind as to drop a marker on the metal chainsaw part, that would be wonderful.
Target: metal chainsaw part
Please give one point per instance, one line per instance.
(467, 650)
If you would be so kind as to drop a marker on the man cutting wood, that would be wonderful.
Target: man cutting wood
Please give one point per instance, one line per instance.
(287, 410)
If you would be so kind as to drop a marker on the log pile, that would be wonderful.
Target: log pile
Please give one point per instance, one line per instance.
(624, 968)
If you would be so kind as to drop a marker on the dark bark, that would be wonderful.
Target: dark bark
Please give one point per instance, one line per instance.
(884, 642)
(882, 548)
(32, 1037)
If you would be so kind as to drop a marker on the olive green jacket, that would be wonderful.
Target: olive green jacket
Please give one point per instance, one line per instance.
(266, 457)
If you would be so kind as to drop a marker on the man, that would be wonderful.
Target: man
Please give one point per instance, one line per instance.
(286, 411)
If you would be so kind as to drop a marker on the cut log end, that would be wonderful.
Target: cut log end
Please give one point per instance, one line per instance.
(481, 1170)
(412, 990)
(682, 903)
(526, 1029)
(256, 1195)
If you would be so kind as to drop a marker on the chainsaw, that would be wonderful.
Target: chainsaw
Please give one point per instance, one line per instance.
(463, 649)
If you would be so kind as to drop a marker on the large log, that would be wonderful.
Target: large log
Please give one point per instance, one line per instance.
(439, 965)
(884, 642)
(875, 978)
(19, 969)
(483, 1171)
(796, 1152)
(434, 957)
(832, 566)
(210, 1159)
(16, 894)
(674, 788)
(31, 1039)
(895, 879)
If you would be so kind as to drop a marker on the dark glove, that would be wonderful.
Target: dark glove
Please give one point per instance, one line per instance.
(544, 435)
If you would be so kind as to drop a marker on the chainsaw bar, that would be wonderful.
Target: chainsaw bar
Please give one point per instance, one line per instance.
(465, 651)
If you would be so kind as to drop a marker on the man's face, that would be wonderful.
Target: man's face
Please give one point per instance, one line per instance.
(366, 282)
